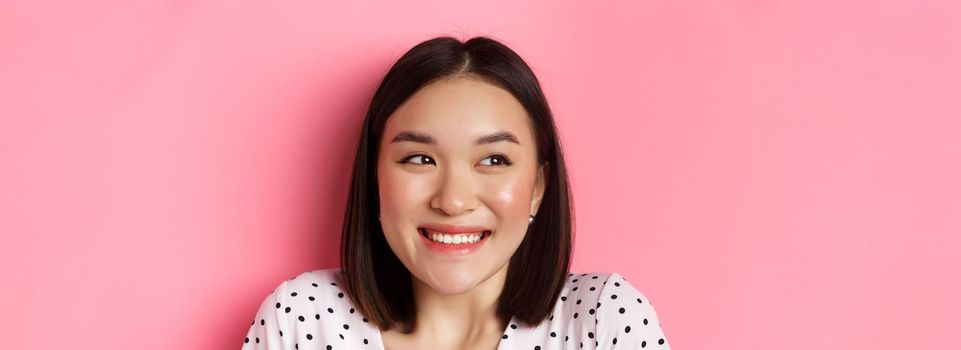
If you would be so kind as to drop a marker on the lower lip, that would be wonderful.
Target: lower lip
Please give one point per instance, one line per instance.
(452, 249)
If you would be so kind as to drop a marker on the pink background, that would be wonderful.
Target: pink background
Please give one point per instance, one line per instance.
(772, 174)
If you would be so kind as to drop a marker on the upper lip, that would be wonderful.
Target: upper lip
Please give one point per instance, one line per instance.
(453, 228)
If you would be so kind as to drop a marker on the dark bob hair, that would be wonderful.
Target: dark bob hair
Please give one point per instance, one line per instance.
(377, 282)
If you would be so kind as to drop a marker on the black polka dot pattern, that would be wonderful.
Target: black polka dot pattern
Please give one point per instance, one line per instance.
(310, 312)
(594, 311)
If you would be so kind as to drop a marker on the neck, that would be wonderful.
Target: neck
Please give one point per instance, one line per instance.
(456, 320)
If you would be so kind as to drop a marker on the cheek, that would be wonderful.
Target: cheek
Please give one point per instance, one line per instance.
(510, 197)
(399, 194)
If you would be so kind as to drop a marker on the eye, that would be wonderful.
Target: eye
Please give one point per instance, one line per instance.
(424, 156)
(503, 160)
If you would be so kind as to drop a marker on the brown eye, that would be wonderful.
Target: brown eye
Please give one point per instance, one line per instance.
(405, 160)
(502, 160)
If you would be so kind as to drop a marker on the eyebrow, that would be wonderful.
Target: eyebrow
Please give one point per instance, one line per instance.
(416, 136)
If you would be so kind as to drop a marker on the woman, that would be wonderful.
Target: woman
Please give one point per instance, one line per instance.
(457, 233)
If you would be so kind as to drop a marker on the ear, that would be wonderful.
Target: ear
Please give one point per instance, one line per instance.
(539, 185)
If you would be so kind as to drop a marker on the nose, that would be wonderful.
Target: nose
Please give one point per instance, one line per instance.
(455, 192)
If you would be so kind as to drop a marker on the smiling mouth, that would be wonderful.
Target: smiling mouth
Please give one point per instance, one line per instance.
(423, 232)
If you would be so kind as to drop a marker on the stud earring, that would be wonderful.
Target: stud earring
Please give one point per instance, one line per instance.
(529, 221)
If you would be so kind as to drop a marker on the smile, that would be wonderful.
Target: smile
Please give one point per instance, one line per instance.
(453, 244)
(460, 238)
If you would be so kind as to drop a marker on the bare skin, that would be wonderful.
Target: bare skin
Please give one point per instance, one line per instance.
(456, 181)
(482, 330)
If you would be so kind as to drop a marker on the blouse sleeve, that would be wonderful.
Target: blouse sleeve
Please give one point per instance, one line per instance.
(288, 318)
(626, 318)
(266, 330)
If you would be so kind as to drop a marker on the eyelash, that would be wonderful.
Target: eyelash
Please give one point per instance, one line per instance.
(506, 162)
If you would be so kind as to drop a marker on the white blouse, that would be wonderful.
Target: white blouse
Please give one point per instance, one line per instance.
(595, 311)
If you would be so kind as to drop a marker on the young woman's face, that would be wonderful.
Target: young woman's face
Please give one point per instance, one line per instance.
(444, 174)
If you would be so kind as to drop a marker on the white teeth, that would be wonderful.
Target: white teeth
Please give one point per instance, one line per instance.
(455, 239)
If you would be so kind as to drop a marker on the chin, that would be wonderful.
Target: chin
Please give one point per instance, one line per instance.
(452, 290)
(452, 281)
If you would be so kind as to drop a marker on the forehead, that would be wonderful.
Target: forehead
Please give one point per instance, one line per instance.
(458, 110)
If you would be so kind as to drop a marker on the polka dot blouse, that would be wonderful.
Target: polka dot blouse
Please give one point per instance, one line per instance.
(594, 311)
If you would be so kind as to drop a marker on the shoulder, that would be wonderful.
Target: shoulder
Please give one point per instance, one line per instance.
(617, 311)
(581, 295)
(307, 288)
(314, 281)
(310, 307)
(627, 316)
(309, 291)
